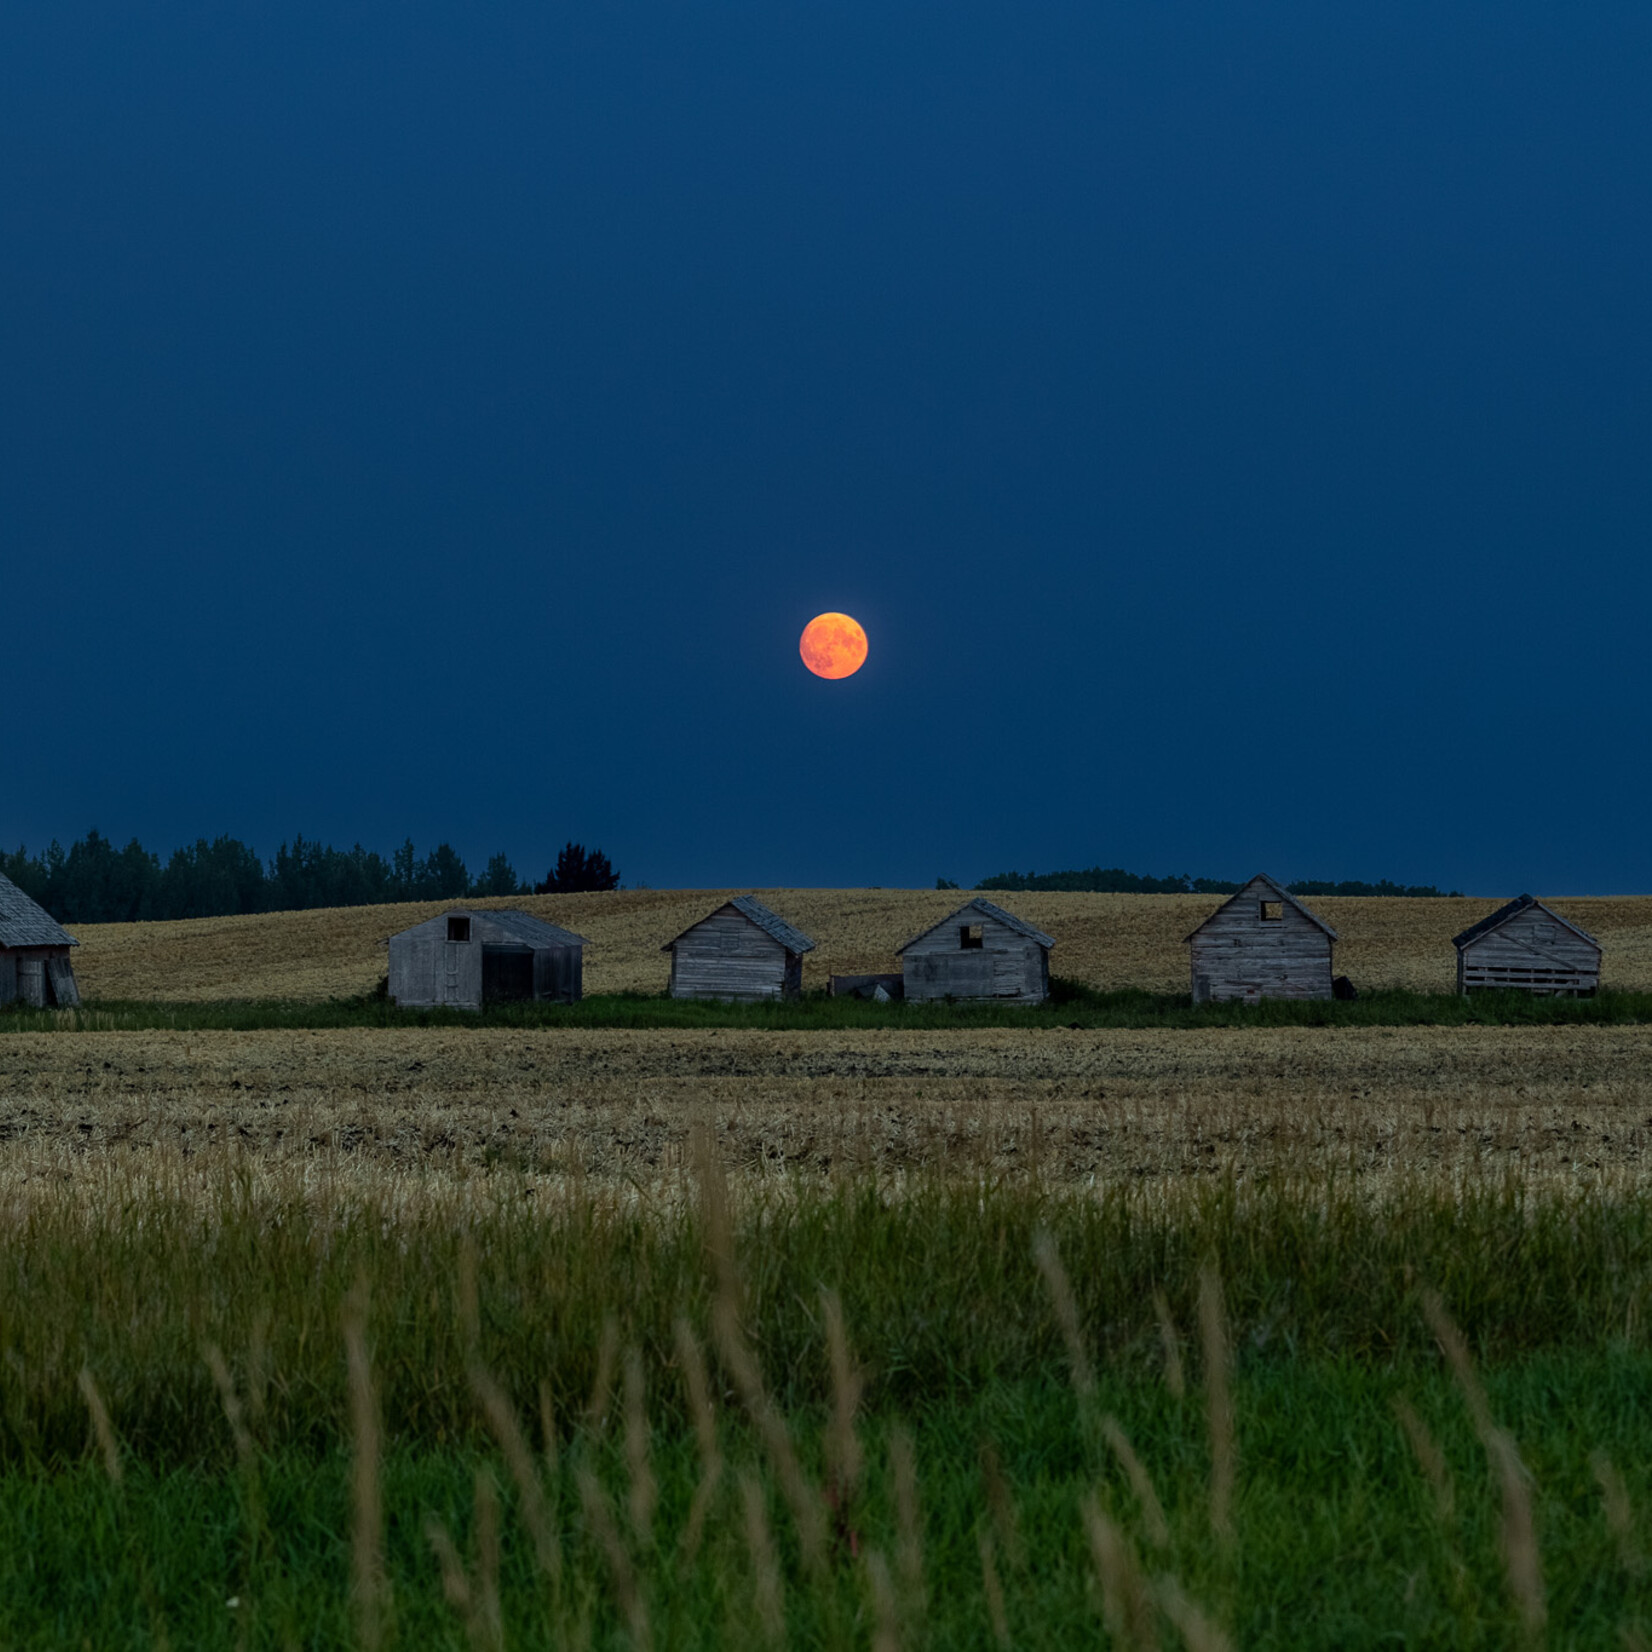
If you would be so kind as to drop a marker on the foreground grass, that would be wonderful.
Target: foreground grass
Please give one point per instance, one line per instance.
(1072, 1006)
(823, 1414)
(1339, 1536)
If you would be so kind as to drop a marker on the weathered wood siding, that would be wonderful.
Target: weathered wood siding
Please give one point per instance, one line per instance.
(1007, 967)
(431, 972)
(728, 956)
(1531, 952)
(1241, 955)
(41, 976)
(61, 985)
(559, 974)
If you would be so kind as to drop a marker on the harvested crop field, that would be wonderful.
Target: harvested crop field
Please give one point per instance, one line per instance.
(1106, 941)
(1568, 1102)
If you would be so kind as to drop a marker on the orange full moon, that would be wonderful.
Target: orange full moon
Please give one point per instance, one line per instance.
(833, 645)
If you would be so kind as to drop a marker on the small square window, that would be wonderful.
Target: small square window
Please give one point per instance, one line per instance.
(1273, 912)
(969, 935)
(458, 929)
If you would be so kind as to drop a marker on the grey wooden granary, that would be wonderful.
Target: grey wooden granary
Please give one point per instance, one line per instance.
(980, 951)
(1261, 943)
(741, 951)
(466, 959)
(1528, 946)
(34, 953)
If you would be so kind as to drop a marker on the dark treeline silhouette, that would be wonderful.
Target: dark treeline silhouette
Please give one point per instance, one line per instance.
(578, 870)
(1114, 880)
(94, 882)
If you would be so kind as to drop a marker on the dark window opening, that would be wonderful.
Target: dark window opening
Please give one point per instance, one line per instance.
(458, 929)
(969, 935)
(1273, 912)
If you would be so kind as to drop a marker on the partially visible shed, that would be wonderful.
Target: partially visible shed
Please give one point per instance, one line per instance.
(34, 953)
(882, 989)
(1530, 947)
(1261, 943)
(464, 959)
(741, 951)
(978, 952)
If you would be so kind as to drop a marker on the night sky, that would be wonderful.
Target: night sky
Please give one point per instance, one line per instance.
(1232, 424)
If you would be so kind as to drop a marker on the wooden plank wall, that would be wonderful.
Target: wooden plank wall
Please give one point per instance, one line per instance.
(728, 956)
(31, 973)
(1532, 952)
(429, 971)
(60, 978)
(1007, 968)
(558, 973)
(1238, 955)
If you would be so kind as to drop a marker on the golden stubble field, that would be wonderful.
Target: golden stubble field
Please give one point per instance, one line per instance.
(385, 1106)
(1107, 941)
(391, 1108)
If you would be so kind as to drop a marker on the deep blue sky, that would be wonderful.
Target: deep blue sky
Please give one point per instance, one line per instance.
(1231, 422)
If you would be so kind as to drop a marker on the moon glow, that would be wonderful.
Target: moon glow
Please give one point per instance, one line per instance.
(833, 645)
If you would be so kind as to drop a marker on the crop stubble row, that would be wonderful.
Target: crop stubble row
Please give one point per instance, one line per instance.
(1574, 1102)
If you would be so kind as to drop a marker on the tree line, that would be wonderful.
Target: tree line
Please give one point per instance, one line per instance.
(1114, 880)
(92, 881)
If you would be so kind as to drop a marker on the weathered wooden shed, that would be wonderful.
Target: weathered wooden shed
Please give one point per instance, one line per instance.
(741, 951)
(979, 951)
(34, 953)
(1261, 943)
(1528, 946)
(465, 959)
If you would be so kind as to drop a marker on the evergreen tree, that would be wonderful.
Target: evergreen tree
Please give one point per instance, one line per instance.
(499, 879)
(578, 870)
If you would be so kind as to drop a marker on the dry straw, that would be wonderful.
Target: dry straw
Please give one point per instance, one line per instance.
(1141, 1482)
(992, 1588)
(622, 1573)
(101, 1425)
(767, 1589)
(1430, 1459)
(1218, 1402)
(1066, 1313)
(692, 1363)
(506, 1428)
(1126, 1598)
(368, 1586)
(1522, 1560)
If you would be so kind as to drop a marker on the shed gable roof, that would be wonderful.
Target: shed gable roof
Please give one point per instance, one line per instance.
(754, 911)
(1278, 891)
(987, 909)
(522, 927)
(1512, 909)
(25, 922)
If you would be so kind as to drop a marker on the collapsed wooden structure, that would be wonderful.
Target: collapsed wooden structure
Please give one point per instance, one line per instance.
(1261, 943)
(978, 952)
(742, 951)
(465, 959)
(34, 953)
(1529, 947)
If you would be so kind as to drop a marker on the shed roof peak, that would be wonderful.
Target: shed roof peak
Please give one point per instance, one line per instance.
(988, 909)
(1279, 892)
(1511, 909)
(755, 912)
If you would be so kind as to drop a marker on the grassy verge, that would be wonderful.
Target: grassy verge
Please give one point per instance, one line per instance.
(1072, 1006)
(824, 1416)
